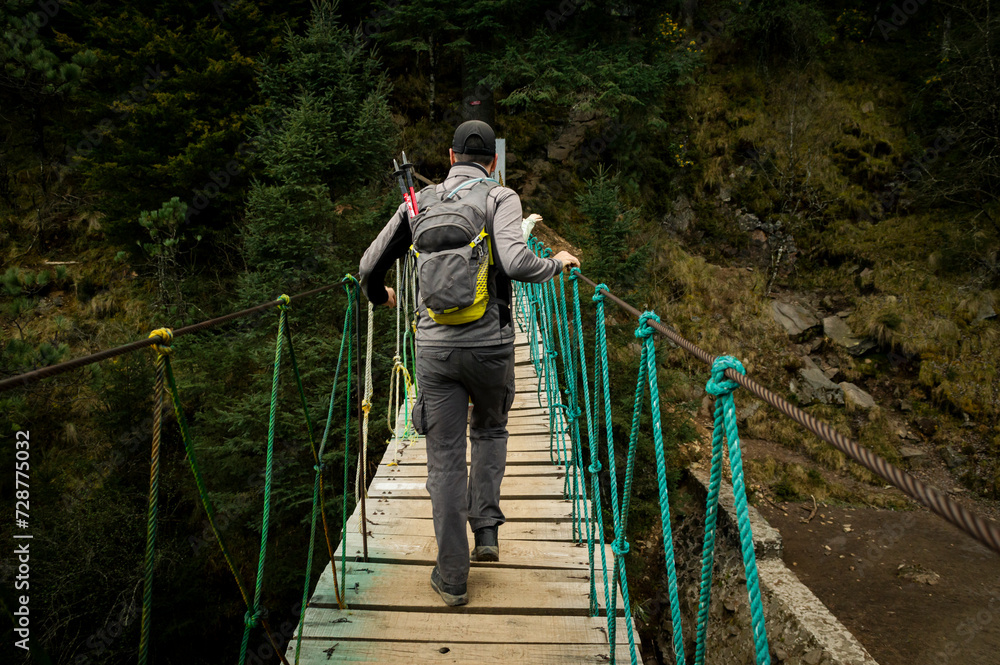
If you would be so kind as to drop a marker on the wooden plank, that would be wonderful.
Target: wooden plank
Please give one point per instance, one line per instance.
(516, 510)
(516, 442)
(420, 470)
(316, 652)
(422, 550)
(529, 410)
(492, 590)
(353, 624)
(527, 397)
(405, 527)
(532, 457)
(514, 487)
(535, 427)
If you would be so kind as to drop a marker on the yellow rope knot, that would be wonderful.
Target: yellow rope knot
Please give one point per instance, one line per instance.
(283, 302)
(366, 406)
(166, 336)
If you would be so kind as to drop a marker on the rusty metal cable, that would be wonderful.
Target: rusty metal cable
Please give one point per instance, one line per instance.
(76, 363)
(986, 532)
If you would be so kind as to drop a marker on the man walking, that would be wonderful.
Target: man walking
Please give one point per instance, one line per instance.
(470, 355)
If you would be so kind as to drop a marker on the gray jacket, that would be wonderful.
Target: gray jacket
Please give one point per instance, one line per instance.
(511, 260)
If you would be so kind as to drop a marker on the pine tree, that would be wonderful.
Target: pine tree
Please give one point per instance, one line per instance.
(613, 232)
(165, 113)
(324, 124)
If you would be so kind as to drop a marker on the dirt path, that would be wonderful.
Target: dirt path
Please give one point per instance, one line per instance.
(913, 589)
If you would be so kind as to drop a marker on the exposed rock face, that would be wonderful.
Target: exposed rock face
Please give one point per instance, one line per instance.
(810, 385)
(915, 456)
(794, 318)
(571, 136)
(682, 217)
(986, 310)
(841, 334)
(857, 399)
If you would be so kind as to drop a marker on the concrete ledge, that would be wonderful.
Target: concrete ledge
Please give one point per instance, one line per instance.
(801, 630)
(766, 539)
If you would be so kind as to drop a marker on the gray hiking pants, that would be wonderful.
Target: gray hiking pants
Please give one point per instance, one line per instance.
(446, 379)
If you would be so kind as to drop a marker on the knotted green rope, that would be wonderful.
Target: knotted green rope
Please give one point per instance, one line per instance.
(580, 512)
(595, 463)
(318, 504)
(619, 547)
(253, 616)
(317, 457)
(350, 286)
(645, 333)
(725, 424)
(206, 500)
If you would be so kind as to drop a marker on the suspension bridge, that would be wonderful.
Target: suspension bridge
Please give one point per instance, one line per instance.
(560, 593)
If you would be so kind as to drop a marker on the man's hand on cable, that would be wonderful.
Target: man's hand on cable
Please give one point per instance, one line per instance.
(391, 302)
(568, 260)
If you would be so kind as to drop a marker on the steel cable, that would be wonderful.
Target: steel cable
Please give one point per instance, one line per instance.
(985, 532)
(76, 363)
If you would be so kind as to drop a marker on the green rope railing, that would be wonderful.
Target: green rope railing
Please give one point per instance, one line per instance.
(725, 425)
(543, 308)
(206, 500)
(317, 462)
(317, 482)
(645, 333)
(349, 284)
(253, 615)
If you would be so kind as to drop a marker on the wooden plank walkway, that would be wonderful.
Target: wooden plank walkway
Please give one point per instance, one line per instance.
(532, 606)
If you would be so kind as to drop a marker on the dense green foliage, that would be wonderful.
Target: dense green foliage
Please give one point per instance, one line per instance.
(165, 162)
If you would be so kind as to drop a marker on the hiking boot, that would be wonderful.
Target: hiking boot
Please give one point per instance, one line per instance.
(487, 546)
(451, 594)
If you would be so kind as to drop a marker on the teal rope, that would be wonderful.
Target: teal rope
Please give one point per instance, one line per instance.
(580, 513)
(595, 464)
(557, 444)
(620, 545)
(252, 619)
(645, 333)
(725, 423)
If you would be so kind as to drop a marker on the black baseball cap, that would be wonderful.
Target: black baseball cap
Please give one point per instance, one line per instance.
(475, 128)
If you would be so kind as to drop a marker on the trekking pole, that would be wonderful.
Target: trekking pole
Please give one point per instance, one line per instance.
(411, 204)
(408, 170)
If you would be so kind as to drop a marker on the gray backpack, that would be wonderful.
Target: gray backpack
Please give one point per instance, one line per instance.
(453, 252)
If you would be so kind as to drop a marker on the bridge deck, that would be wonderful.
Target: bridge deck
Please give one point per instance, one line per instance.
(531, 606)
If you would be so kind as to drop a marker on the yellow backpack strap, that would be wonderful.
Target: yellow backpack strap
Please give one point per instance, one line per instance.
(479, 238)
